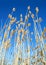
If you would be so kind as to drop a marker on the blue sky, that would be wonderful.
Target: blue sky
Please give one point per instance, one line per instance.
(21, 7)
